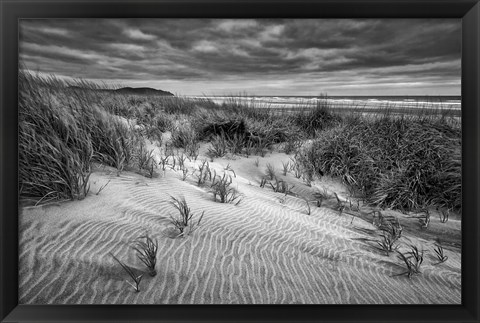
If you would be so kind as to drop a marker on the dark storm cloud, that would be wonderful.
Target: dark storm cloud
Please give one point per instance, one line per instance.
(276, 55)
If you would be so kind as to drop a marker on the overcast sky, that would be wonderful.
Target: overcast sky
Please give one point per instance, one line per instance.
(257, 57)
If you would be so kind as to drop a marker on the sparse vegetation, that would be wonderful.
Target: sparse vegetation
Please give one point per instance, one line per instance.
(309, 210)
(270, 171)
(183, 222)
(131, 273)
(218, 147)
(380, 157)
(440, 254)
(222, 190)
(340, 204)
(146, 249)
(185, 172)
(390, 234)
(164, 162)
(321, 196)
(102, 187)
(444, 214)
(412, 260)
(203, 173)
(281, 186)
(286, 167)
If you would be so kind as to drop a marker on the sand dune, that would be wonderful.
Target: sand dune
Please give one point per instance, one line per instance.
(260, 251)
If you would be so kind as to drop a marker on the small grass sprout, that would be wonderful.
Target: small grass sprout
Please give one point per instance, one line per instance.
(354, 206)
(184, 174)
(444, 214)
(131, 272)
(164, 162)
(218, 147)
(412, 260)
(390, 234)
(309, 210)
(321, 196)
(340, 204)
(286, 167)
(145, 158)
(230, 169)
(270, 171)
(146, 249)
(440, 254)
(296, 167)
(281, 186)
(183, 222)
(203, 173)
(425, 221)
(181, 161)
(102, 187)
(263, 182)
(221, 188)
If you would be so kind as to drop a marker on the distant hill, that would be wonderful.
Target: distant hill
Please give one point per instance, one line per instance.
(142, 91)
(132, 90)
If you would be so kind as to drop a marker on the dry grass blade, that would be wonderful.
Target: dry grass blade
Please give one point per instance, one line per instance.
(412, 260)
(440, 254)
(102, 187)
(146, 250)
(221, 188)
(270, 171)
(183, 222)
(308, 206)
(130, 271)
(286, 167)
(340, 204)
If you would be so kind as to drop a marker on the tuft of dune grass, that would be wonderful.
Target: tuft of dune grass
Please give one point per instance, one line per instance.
(393, 158)
(60, 136)
(403, 163)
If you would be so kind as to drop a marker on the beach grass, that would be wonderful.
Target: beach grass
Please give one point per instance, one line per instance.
(393, 159)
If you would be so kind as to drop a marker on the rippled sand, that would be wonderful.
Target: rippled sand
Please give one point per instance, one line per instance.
(261, 251)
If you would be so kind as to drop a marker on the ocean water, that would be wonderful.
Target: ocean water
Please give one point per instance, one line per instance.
(371, 103)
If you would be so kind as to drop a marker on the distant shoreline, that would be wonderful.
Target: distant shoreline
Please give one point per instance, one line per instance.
(446, 97)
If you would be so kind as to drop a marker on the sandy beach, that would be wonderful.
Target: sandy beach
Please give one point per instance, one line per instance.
(265, 250)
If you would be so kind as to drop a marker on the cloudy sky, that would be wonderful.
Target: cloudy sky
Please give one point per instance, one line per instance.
(257, 57)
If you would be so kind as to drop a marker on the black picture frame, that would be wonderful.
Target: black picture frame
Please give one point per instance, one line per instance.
(467, 10)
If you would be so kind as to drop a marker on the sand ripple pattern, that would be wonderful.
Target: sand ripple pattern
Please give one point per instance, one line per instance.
(259, 252)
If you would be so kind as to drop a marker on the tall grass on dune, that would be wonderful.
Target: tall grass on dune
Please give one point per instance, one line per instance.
(392, 158)
(60, 135)
(318, 118)
(401, 162)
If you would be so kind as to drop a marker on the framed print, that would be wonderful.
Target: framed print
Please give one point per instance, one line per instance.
(240, 161)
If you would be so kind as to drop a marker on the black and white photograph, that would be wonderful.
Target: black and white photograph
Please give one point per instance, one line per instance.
(240, 161)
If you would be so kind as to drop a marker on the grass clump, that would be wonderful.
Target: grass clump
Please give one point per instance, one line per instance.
(223, 192)
(444, 214)
(390, 235)
(280, 186)
(439, 252)
(183, 222)
(218, 147)
(61, 133)
(146, 249)
(270, 171)
(313, 120)
(412, 260)
(203, 173)
(145, 160)
(400, 162)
